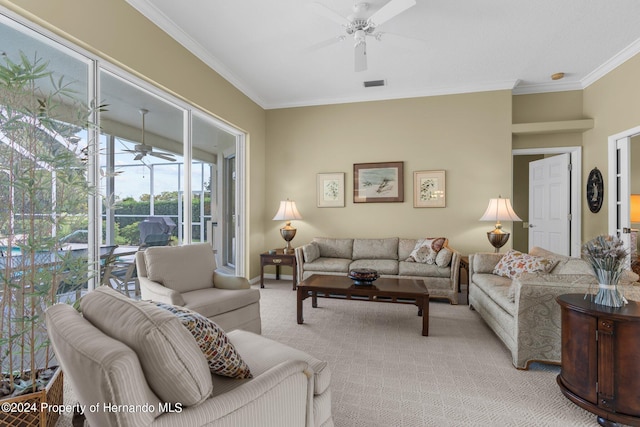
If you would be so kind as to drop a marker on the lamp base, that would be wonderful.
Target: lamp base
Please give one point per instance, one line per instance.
(288, 233)
(497, 240)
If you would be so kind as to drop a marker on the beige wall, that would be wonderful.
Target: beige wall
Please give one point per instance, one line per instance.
(468, 136)
(547, 107)
(614, 103)
(537, 108)
(117, 32)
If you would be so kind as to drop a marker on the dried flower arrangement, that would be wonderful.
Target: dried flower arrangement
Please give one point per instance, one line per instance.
(607, 257)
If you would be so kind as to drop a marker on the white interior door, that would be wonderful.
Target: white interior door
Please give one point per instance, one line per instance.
(549, 204)
(620, 187)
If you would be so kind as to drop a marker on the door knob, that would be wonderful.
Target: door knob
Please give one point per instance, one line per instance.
(531, 225)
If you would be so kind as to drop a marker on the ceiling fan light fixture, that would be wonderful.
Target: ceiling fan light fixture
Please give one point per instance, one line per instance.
(360, 36)
(360, 26)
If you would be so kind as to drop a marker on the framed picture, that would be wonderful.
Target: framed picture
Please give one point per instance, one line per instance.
(429, 189)
(330, 190)
(378, 182)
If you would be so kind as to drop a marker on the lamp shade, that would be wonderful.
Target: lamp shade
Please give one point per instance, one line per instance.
(635, 208)
(287, 211)
(500, 210)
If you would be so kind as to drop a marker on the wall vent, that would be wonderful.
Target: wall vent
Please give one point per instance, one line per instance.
(374, 83)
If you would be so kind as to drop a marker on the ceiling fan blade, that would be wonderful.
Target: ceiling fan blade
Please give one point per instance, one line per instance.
(323, 10)
(325, 43)
(360, 56)
(139, 156)
(390, 10)
(163, 156)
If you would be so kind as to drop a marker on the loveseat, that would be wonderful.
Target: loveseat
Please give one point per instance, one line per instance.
(132, 364)
(429, 259)
(522, 311)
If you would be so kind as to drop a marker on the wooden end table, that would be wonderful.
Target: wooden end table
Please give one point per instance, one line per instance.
(464, 265)
(399, 291)
(600, 358)
(278, 258)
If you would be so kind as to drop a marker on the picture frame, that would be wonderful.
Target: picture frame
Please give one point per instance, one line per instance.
(378, 182)
(429, 189)
(330, 190)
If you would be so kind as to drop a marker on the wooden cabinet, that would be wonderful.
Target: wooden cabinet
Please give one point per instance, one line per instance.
(601, 358)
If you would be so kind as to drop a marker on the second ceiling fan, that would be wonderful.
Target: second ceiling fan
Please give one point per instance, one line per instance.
(359, 26)
(142, 150)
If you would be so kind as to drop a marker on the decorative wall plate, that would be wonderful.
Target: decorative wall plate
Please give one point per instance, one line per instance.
(595, 190)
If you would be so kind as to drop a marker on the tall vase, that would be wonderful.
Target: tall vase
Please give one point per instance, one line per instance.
(608, 293)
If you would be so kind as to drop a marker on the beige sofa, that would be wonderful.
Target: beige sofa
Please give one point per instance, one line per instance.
(523, 312)
(388, 256)
(186, 276)
(139, 366)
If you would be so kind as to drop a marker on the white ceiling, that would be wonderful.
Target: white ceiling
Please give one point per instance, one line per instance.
(268, 49)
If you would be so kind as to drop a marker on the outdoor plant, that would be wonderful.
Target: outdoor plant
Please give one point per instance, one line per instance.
(607, 257)
(43, 196)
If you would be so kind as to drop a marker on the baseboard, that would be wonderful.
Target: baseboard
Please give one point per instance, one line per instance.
(272, 276)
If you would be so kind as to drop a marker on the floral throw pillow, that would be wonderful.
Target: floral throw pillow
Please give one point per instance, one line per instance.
(514, 263)
(426, 250)
(222, 357)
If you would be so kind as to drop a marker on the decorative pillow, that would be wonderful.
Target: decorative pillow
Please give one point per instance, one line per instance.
(221, 355)
(311, 252)
(443, 259)
(426, 250)
(514, 263)
(170, 358)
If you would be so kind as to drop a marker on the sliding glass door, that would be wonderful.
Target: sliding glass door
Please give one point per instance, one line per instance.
(154, 162)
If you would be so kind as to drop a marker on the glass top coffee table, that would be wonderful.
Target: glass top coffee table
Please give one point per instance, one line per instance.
(399, 291)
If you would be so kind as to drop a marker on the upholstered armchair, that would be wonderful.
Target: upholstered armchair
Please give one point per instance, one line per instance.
(186, 276)
(132, 364)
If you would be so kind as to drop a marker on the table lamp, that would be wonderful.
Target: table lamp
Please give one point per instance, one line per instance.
(499, 210)
(287, 212)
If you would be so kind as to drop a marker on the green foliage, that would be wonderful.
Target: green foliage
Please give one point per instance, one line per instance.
(129, 234)
(43, 194)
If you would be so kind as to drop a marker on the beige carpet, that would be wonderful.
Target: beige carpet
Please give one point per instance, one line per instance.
(384, 373)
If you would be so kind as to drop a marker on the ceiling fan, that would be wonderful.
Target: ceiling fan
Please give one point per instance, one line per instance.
(141, 150)
(360, 26)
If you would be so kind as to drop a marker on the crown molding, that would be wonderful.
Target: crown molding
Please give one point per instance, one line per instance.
(384, 94)
(524, 89)
(146, 8)
(619, 59)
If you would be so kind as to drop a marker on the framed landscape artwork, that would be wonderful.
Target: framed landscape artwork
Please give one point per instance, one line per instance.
(378, 182)
(330, 190)
(429, 189)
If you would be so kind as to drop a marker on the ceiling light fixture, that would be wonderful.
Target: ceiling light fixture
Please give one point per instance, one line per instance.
(557, 76)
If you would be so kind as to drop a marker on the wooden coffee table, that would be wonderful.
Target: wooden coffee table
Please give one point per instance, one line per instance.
(399, 291)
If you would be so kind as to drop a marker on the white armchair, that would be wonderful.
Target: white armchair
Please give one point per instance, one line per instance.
(186, 276)
(122, 353)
